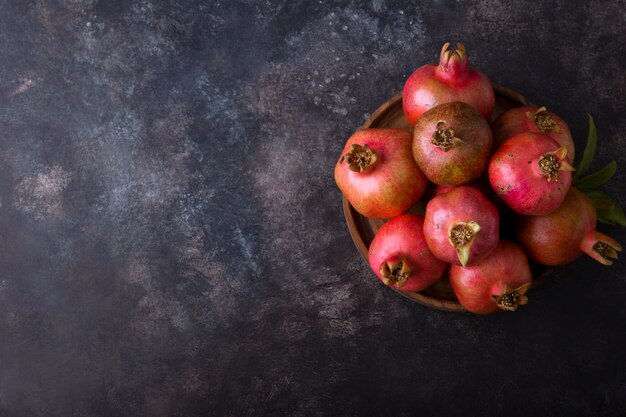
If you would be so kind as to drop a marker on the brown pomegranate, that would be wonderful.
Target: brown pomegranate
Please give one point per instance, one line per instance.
(563, 235)
(452, 144)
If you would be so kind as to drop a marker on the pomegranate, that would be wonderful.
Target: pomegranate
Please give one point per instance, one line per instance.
(531, 173)
(452, 144)
(533, 119)
(500, 281)
(563, 235)
(451, 80)
(461, 226)
(377, 174)
(400, 257)
(442, 189)
(482, 185)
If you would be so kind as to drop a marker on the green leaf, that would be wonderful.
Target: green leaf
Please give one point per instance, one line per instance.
(600, 200)
(605, 221)
(613, 216)
(598, 178)
(609, 212)
(590, 150)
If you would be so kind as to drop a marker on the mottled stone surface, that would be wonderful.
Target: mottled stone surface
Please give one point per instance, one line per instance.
(172, 241)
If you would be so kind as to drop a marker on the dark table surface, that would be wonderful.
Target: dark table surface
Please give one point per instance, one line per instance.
(172, 238)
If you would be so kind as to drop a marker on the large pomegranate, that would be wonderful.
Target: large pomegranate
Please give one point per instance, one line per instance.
(400, 257)
(377, 174)
(533, 119)
(452, 144)
(563, 235)
(451, 80)
(499, 282)
(461, 226)
(531, 173)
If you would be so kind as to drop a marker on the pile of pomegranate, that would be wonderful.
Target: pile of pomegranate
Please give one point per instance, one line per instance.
(480, 180)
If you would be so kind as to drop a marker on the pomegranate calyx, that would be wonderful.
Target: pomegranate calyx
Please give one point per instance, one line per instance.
(395, 272)
(360, 158)
(511, 298)
(551, 163)
(461, 236)
(561, 154)
(455, 61)
(600, 247)
(443, 137)
(606, 252)
(543, 120)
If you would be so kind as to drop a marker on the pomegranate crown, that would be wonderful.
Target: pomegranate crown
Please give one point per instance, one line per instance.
(453, 61)
(395, 271)
(551, 163)
(511, 298)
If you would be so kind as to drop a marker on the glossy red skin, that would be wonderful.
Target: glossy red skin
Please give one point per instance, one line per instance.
(515, 121)
(430, 86)
(514, 175)
(475, 285)
(393, 185)
(563, 235)
(463, 162)
(400, 237)
(461, 204)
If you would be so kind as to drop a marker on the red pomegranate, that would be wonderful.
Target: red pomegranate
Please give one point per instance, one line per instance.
(461, 226)
(533, 119)
(481, 184)
(531, 173)
(499, 282)
(563, 235)
(451, 80)
(400, 257)
(452, 144)
(377, 174)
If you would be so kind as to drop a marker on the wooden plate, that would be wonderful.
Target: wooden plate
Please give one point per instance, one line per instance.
(362, 229)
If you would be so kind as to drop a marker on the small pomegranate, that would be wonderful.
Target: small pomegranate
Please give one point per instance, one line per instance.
(452, 144)
(442, 189)
(461, 226)
(451, 80)
(533, 119)
(377, 174)
(400, 257)
(563, 235)
(531, 173)
(499, 282)
(482, 185)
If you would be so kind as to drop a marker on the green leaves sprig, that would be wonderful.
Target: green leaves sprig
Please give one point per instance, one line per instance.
(609, 211)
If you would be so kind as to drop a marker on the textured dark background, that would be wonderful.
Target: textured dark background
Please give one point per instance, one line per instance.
(172, 241)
